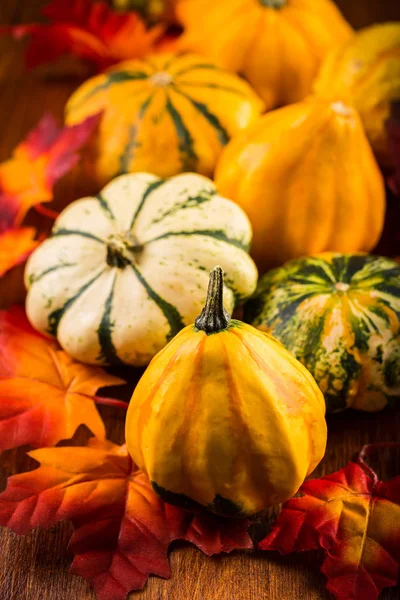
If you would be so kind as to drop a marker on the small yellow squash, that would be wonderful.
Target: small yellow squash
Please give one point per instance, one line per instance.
(166, 115)
(225, 416)
(277, 45)
(365, 73)
(308, 180)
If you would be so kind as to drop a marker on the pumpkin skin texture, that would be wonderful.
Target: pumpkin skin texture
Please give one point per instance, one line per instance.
(124, 271)
(365, 73)
(339, 314)
(278, 45)
(308, 180)
(225, 417)
(165, 115)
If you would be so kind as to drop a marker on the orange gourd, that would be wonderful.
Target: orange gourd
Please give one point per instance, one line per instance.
(308, 180)
(365, 73)
(278, 45)
(225, 416)
(165, 115)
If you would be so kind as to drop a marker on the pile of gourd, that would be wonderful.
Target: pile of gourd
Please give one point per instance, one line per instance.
(226, 415)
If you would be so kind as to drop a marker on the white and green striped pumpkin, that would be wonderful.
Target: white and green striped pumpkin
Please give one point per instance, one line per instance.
(339, 315)
(124, 271)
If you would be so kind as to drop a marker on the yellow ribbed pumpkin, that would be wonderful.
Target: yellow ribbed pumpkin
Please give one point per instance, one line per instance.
(225, 416)
(365, 73)
(278, 45)
(165, 115)
(308, 180)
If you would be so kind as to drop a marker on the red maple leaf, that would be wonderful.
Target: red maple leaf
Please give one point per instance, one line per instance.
(46, 154)
(355, 519)
(15, 247)
(44, 394)
(122, 529)
(89, 30)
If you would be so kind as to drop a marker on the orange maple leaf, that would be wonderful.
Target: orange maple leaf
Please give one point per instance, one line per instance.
(89, 30)
(355, 518)
(44, 394)
(15, 247)
(122, 529)
(46, 154)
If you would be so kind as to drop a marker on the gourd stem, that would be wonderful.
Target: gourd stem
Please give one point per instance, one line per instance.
(121, 249)
(214, 317)
(273, 3)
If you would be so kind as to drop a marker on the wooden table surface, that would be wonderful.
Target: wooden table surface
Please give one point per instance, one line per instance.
(35, 567)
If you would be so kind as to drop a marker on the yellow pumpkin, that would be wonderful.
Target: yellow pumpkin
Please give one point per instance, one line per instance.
(278, 45)
(225, 416)
(166, 115)
(308, 180)
(365, 73)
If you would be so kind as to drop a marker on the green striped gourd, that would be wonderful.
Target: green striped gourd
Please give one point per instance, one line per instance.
(339, 315)
(165, 115)
(124, 271)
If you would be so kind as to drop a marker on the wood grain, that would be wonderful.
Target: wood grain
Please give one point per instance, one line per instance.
(35, 567)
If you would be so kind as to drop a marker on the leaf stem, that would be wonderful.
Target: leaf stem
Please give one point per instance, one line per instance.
(46, 212)
(367, 450)
(111, 402)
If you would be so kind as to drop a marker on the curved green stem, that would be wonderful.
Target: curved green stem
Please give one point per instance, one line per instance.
(214, 318)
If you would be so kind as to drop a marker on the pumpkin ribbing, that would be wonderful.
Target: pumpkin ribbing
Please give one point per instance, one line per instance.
(295, 35)
(167, 114)
(134, 263)
(365, 73)
(340, 316)
(230, 421)
(307, 178)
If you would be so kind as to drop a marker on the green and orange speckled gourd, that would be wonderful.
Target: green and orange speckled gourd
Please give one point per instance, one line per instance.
(225, 417)
(339, 314)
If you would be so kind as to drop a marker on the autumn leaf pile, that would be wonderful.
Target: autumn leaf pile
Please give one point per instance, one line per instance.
(27, 180)
(122, 530)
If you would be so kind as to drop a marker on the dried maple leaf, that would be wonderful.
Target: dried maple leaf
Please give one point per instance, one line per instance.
(15, 247)
(44, 394)
(46, 154)
(355, 518)
(89, 30)
(122, 529)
